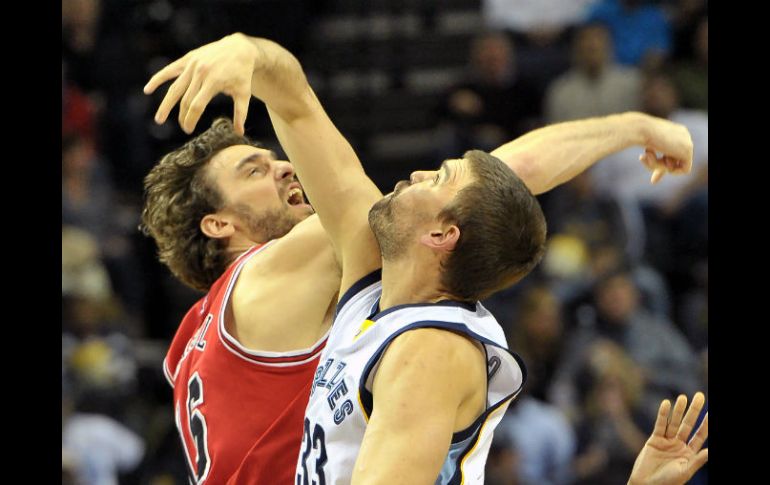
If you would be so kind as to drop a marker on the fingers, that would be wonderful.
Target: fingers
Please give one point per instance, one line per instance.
(649, 159)
(189, 95)
(240, 110)
(172, 96)
(657, 175)
(691, 417)
(661, 165)
(700, 436)
(700, 459)
(197, 107)
(676, 416)
(662, 419)
(169, 72)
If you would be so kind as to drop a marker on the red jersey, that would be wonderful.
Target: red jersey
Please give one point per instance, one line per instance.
(239, 412)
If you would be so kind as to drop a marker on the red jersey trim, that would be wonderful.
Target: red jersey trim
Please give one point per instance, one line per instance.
(267, 358)
(167, 373)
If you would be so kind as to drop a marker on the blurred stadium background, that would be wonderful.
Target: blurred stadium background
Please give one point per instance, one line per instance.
(613, 320)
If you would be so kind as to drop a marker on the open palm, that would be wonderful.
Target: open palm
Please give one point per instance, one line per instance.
(667, 458)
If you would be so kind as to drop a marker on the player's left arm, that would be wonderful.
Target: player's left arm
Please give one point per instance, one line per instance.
(549, 156)
(423, 380)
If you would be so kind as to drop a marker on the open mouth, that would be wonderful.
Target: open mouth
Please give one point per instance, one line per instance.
(295, 197)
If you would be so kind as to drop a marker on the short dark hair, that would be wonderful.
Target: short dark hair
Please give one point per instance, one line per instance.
(502, 231)
(178, 194)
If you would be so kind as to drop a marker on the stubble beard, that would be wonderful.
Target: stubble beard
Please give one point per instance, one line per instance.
(269, 224)
(391, 237)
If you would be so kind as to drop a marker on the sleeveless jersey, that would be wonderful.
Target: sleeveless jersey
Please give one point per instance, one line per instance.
(239, 412)
(341, 400)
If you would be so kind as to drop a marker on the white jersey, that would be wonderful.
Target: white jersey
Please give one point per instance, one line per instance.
(341, 399)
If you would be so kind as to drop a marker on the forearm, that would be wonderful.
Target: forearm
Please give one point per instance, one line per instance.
(327, 166)
(554, 154)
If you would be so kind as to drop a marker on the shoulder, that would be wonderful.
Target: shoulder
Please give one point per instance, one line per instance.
(434, 347)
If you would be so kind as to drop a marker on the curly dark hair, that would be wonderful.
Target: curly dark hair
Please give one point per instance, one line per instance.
(178, 194)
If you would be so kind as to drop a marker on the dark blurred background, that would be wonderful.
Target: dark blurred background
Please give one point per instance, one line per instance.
(612, 321)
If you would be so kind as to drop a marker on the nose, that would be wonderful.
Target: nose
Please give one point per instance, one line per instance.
(283, 170)
(419, 176)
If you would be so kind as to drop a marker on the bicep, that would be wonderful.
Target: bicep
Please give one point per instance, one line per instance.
(418, 390)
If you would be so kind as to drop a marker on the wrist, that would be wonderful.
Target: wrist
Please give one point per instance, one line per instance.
(638, 126)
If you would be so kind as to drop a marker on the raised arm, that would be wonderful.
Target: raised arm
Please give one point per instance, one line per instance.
(552, 155)
(331, 174)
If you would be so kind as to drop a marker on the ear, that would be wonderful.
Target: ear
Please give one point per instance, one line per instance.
(442, 239)
(217, 226)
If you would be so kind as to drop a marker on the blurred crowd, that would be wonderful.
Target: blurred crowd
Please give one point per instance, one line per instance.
(613, 320)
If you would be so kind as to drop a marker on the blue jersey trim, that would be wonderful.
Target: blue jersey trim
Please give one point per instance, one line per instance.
(367, 400)
(359, 285)
(450, 303)
(457, 478)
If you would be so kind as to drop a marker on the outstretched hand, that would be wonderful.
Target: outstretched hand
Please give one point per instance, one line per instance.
(225, 66)
(667, 458)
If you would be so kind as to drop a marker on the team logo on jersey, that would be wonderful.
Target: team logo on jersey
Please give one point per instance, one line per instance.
(363, 328)
(330, 376)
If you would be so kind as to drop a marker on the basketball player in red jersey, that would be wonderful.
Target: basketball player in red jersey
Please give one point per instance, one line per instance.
(230, 219)
(243, 358)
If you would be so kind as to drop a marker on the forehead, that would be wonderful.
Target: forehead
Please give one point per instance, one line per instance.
(230, 157)
(457, 172)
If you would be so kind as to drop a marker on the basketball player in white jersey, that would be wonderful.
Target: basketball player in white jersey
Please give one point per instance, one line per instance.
(415, 373)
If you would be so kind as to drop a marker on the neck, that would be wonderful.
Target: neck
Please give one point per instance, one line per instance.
(404, 282)
(237, 245)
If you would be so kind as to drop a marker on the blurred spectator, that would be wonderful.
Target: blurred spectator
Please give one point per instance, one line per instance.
(692, 75)
(90, 202)
(594, 85)
(83, 274)
(537, 335)
(98, 365)
(543, 439)
(573, 267)
(503, 462)
(80, 32)
(87, 194)
(96, 448)
(78, 113)
(694, 311)
(576, 208)
(493, 105)
(541, 30)
(685, 18)
(653, 343)
(537, 20)
(640, 31)
(614, 425)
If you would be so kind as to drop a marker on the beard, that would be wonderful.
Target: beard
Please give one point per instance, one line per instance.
(268, 224)
(392, 237)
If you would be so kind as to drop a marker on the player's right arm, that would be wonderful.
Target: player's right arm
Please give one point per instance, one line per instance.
(329, 169)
